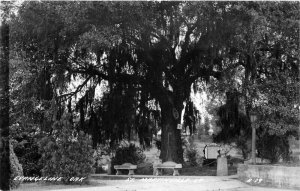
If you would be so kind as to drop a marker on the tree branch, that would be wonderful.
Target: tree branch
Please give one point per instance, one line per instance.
(204, 73)
(78, 89)
(90, 71)
(122, 77)
(187, 39)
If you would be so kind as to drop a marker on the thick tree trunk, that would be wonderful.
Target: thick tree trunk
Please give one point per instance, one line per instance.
(4, 108)
(171, 144)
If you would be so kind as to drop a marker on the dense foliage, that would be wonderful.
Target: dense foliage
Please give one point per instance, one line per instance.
(266, 82)
(29, 155)
(66, 153)
(235, 126)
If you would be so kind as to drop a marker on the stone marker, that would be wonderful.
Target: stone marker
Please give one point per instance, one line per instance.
(109, 168)
(222, 168)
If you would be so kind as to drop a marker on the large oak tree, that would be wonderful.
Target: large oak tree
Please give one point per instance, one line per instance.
(144, 50)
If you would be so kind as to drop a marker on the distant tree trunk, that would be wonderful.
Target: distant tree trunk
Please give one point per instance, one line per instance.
(4, 107)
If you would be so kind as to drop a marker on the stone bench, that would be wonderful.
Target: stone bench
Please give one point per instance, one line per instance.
(167, 165)
(125, 166)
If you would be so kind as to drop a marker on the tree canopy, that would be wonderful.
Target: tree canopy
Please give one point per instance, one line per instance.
(146, 57)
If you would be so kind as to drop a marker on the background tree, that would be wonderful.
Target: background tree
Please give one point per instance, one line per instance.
(235, 126)
(268, 60)
(279, 82)
(191, 117)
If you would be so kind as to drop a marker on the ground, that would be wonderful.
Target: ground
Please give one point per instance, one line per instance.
(191, 183)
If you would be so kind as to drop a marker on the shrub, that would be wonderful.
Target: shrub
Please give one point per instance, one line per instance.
(127, 154)
(28, 154)
(66, 153)
(16, 168)
(273, 148)
(191, 152)
(145, 168)
(102, 157)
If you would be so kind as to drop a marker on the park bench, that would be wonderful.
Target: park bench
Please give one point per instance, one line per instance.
(167, 165)
(125, 166)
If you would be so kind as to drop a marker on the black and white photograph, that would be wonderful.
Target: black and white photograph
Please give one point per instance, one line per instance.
(149, 95)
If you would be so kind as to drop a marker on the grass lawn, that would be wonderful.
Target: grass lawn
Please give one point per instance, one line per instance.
(187, 170)
(205, 171)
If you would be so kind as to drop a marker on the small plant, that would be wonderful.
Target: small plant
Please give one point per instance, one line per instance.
(102, 157)
(191, 152)
(128, 153)
(145, 168)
